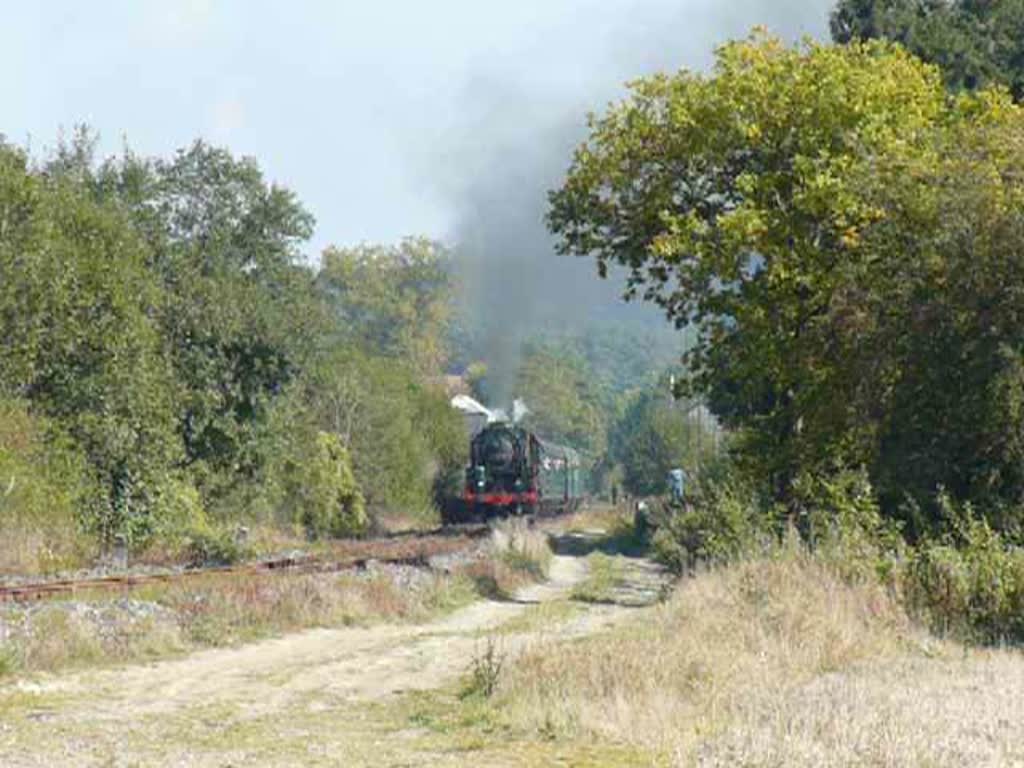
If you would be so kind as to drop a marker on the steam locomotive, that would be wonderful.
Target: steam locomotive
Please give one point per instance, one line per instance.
(514, 472)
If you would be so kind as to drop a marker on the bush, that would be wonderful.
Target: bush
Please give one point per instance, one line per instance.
(841, 521)
(406, 443)
(723, 519)
(727, 517)
(969, 583)
(323, 492)
(206, 546)
(42, 485)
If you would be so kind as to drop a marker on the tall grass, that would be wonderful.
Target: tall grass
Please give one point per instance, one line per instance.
(728, 639)
(517, 555)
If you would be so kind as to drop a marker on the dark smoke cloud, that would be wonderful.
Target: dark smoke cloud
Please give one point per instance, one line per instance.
(515, 141)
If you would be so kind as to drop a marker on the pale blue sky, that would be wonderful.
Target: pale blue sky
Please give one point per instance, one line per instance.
(383, 116)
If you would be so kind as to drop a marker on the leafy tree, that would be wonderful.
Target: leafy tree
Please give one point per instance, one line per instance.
(657, 434)
(161, 313)
(975, 42)
(848, 236)
(939, 333)
(727, 199)
(79, 342)
(565, 405)
(377, 382)
(240, 318)
(401, 433)
(394, 300)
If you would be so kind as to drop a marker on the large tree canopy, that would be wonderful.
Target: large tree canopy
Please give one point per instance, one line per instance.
(164, 331)
(395, 300)
(975, 42)
(799, 205)
(79, 339)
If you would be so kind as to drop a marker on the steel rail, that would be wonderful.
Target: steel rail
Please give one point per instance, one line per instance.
(436, 543)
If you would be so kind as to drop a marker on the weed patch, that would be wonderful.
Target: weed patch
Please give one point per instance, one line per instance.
(485, 671)
(8, 660)
(605, 575)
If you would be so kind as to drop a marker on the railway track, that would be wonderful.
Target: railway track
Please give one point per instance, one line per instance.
(395, 549)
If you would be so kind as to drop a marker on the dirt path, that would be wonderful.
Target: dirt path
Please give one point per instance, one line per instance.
(236, 706)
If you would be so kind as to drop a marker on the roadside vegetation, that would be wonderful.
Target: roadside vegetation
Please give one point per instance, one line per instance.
(845, 232)
(776, 658)
(172, 367)
(769, 649)
(214, 610)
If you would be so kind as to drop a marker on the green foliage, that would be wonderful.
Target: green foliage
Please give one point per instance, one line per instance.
(323, 491)
(79, 341)
(178, 506)
(565, 404)
(848, 237)
(684, 183)
(974, 43)
(160, 315)
(656, 434)
(207, 546)
(840, 518)
(393, 300)
(41, 476)
(43, 487)
(725, 518)
(969, 582)
(401, 433)
(237, 317)
(376, 385)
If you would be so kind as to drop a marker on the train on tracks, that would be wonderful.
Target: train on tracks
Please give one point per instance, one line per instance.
(514, 472)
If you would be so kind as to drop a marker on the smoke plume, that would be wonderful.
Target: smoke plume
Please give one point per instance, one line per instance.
(515, 140)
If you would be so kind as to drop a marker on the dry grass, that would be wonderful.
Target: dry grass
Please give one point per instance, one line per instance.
(169, 619)
(605, 574)
(240, 610)
(773, 662)
(43, 549)
(517, 555)
(218, 610)
(522, 547)
(908, 711)
(599, 516)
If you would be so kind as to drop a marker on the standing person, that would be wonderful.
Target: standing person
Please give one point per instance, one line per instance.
(677, 484)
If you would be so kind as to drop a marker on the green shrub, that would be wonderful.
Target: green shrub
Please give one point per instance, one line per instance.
(723, 519)
(206, 546)
(841, 521)
(43, 483)
(322, 491)
(969, 583)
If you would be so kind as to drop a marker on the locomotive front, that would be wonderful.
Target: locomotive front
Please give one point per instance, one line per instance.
(502, 476)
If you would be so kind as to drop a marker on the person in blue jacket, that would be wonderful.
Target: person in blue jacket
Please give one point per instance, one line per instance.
(677, 484)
